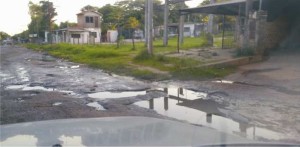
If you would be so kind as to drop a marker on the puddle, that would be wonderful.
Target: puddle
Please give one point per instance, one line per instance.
(14, 87)
(4, 76)
(75, 66)
(22, 73)
(20, 100)
(224, 81)
(96, 105)
(195, 108)
(37, 88)
(65, 67)
(110, 95)
(57, 104)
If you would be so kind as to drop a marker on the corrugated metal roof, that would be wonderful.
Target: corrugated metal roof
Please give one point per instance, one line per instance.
(224, 8)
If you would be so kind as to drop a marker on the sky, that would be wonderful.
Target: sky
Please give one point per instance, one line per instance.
(15, 18)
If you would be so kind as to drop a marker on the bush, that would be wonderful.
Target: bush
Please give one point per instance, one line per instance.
(208, 39)
(143, 55)
(244, 52)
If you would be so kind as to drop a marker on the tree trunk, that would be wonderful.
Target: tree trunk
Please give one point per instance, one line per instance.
(132, 36)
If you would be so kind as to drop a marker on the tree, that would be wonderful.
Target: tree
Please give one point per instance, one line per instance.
(136, 8)
(132, 24)
(112, 17)
(218, 19)
(3, 35)
(22, 35)
(174, 13)
(66, 24)
(42, 17)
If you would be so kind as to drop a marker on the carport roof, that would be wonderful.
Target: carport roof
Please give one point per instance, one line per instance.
(224, 8)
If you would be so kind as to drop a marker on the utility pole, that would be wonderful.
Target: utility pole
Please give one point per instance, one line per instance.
(146, 22)
(49, 36)
(150, 26)
(181, 25)
(166, 15)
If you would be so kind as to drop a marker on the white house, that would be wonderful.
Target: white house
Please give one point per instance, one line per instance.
(87, 31)
(190, 29)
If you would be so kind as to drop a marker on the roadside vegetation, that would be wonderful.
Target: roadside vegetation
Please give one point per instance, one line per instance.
(137, 63)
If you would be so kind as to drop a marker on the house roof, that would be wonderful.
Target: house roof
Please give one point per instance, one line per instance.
(82, 12)
(72, 29)
(275, 8)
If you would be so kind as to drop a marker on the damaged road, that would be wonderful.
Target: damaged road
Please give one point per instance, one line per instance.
(36, 86)
(252, 103)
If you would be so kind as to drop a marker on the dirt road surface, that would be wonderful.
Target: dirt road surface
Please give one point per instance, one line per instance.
(261, 101)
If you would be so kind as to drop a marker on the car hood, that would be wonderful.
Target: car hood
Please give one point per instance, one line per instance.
(112, 131)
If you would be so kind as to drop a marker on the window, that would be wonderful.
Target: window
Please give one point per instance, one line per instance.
(187, 29)
(94, 34)
(89, 19)
(75, 35)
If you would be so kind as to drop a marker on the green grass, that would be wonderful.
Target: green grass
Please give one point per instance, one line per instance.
(202, 73)
(228, 41)
(120, 60)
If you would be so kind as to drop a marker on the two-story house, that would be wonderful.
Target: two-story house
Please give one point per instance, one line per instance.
(87, 31)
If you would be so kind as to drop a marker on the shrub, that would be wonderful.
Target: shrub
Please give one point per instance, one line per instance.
(143, 55)
(244, 52)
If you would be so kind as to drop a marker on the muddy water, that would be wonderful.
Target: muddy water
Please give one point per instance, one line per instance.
(197, 108)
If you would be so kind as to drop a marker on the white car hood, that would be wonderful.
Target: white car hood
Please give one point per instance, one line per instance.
(112, 131)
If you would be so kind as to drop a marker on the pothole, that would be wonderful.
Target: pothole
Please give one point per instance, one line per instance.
(200, 109)
(111, 95)
(96, 105)
(38, 88)
(56, 103)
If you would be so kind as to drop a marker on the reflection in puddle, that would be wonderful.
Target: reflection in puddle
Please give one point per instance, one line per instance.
(23, 140)
(96, 105)
(71, 140)
(108, 95)
(195, 108)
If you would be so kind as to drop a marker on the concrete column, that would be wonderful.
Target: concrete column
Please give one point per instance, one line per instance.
(261, 20)
(146, 22)
(166, 16)
(246, 37)
(210, 20)
(181, 29)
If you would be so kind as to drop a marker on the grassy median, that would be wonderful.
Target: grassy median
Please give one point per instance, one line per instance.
(137, 63)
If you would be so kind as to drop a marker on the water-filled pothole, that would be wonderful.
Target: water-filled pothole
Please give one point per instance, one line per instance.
(96, 105)
(111, 95)
(37, 88)
(197, 108)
